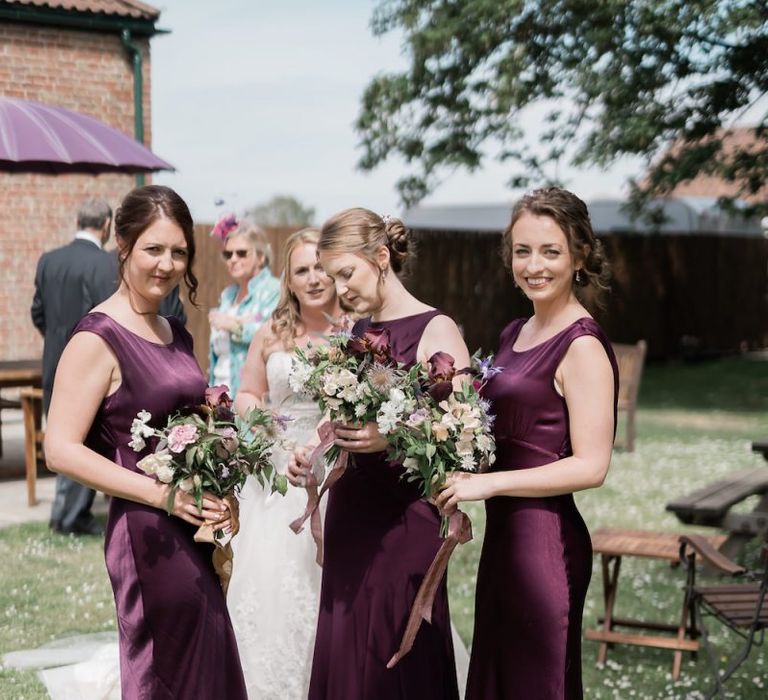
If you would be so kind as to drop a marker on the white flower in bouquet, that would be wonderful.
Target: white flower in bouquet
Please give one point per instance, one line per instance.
(140, 430)
(411, 464)
(464, 447)
(440, 431)
(152, 463)
(484, 443)
(391, 411)
(331, 384)
(165, 474)
(299, 376)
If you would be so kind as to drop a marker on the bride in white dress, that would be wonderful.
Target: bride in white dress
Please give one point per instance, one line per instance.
(275, 586)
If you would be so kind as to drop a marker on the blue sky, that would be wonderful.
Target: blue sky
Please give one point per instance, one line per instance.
(251, 99)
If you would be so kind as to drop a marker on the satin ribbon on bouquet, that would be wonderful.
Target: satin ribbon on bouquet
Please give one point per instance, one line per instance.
(222, 553)
(459, 532)
(316, 459)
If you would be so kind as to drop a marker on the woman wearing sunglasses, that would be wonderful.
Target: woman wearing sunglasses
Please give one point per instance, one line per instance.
(245, 304)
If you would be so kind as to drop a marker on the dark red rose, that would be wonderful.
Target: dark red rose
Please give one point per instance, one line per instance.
(377, 340)
(440, 391)
(441, 367)
(218, 396)
(357, 346)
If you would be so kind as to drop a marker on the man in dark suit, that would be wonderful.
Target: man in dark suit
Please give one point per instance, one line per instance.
(69, 282)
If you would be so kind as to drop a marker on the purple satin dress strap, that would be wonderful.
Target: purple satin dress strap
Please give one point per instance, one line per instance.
(176, 639)
(536, 559)
(380, 538)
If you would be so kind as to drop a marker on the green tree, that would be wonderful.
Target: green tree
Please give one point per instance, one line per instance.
(282, 210)
(616, 78)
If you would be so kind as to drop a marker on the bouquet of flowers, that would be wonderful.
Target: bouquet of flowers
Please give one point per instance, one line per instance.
(350, 378)
(209, 448)
(435, 428)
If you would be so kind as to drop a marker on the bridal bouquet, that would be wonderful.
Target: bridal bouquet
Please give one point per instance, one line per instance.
(209, 448)
(350, 378)
(435, 428)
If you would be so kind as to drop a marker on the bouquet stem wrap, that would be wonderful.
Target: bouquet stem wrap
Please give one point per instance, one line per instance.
(459, 532)
(222, 553)
(327, 436)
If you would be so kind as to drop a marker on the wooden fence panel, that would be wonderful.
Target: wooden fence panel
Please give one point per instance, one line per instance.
(686, 295)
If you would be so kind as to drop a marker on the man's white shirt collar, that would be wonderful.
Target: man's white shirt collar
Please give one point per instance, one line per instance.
(88, 236)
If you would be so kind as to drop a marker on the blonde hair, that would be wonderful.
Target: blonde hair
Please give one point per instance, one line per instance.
(287, 314)
(363, 232)
(256, 236)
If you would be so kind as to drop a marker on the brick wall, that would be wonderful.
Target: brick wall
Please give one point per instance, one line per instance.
(88, 72)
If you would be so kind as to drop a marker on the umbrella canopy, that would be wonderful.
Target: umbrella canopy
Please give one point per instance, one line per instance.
(41, 138)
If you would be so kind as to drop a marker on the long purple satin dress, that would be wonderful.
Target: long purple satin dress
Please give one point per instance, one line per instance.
(176, 639)
(536, 560)
(380, 538)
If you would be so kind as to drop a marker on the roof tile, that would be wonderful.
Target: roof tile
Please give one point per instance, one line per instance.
(120, 8)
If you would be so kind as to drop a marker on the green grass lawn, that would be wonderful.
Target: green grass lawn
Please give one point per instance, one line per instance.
(695, 423)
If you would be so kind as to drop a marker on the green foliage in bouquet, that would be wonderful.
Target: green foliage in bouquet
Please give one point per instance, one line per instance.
(209, 448)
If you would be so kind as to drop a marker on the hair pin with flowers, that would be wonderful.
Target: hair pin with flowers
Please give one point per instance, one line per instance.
(224, 226)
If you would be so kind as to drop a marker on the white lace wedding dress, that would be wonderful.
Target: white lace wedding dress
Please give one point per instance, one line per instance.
(275, 587)
(274, 591)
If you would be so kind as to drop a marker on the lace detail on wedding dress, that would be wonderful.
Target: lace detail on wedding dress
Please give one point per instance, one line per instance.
(275, 586)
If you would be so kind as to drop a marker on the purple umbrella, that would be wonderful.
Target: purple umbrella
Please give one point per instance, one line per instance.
(41, 138)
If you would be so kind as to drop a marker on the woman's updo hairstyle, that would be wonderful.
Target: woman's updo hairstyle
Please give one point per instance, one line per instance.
(363, 232)
(572, 216)
(141, 208)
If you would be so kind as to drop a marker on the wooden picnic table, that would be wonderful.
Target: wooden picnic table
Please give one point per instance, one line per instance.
(21, 373)
(612, 545)
(711, 505)
(18, 373)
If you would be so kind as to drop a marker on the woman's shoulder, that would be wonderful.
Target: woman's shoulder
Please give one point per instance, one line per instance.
(586, 326)
(511, 330)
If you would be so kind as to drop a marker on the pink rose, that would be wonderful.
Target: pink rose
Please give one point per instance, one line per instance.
(217, 398)
(180, 436)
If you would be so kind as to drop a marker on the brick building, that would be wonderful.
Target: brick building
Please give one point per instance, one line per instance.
(81, 55)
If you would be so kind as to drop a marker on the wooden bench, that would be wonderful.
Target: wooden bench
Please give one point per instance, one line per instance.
(630, 359)
(711, 504)
(17, 373)
(32, 408)
(613, 544)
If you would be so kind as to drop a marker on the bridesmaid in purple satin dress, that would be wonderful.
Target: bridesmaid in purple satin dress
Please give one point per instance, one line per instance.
(176, 639)
(555, 406)
(380, 536)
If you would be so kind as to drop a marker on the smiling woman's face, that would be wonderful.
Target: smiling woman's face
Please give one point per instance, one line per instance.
(158, 260)
(542, 264)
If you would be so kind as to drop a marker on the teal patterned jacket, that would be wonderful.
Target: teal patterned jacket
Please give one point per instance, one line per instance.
(255, 308)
